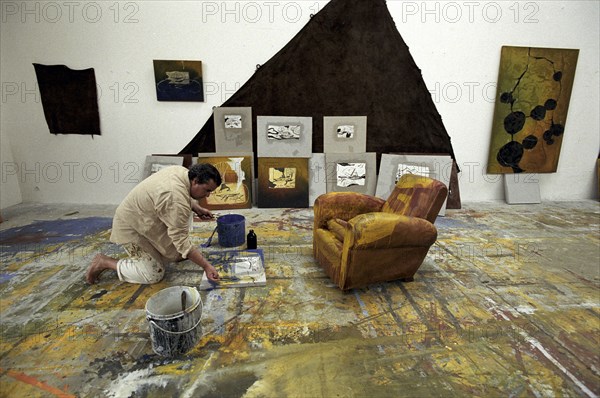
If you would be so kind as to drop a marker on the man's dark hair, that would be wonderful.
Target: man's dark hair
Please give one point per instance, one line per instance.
(202, 173)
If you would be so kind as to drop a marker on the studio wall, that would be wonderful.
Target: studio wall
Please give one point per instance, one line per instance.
(456, 45)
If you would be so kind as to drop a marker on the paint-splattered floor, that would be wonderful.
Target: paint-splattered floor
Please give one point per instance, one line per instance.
(506, 304)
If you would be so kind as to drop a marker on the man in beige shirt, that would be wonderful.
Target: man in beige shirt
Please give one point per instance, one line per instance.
(152, 224)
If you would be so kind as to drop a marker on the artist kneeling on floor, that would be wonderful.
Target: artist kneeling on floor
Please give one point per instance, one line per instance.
(153, 222)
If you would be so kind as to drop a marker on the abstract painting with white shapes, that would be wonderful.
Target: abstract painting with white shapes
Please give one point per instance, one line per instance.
(282, 177)
(289, 132)
(349, 174)
(236, 268)
(233, 121)
(345, 131)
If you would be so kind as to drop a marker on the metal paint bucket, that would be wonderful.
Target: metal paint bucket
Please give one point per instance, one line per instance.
(174, 316)
(232, 230)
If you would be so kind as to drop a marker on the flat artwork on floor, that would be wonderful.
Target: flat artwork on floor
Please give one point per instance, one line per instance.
(237, 268)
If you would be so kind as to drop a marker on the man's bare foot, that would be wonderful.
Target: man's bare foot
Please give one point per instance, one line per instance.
(100, 263)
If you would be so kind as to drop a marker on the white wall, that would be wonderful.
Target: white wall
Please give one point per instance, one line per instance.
(456, 44)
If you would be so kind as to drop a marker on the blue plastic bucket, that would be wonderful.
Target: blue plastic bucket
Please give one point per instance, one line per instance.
(232, 230)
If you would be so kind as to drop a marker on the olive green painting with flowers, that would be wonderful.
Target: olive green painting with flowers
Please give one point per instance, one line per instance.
(534, 89)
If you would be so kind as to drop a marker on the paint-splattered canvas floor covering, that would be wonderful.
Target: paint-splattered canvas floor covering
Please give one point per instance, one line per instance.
(507, 303)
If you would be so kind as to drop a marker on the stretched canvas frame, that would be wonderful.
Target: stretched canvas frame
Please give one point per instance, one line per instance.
(236, 268)
(532, 101)
(317, 177)
(282, 182)
(288, 146)
(237, 174)
(178, 80)
(336, 141)
(340, 164)
(233, 129)
(156, 163)
(439, 168)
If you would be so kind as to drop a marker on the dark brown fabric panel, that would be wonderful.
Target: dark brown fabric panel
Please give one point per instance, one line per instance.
(349, 60)
(69, 98)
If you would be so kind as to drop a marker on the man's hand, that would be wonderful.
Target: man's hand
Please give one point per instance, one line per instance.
(202, 212)
(198, 258)
(211, 273)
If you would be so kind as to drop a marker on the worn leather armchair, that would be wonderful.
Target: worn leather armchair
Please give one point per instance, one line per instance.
(360, 239)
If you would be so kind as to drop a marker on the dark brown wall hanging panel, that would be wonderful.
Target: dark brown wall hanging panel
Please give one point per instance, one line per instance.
(69, 98)
(348, 60)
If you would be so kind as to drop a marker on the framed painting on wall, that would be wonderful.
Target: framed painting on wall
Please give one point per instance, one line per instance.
(351, 172)
(393, 166)
(282, 182)
(345, 134)
(235, 191)
(534, 89)
(178, 80)
(284, 136)
(233, 129)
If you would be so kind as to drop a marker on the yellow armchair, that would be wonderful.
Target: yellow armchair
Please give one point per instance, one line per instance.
(360, 239)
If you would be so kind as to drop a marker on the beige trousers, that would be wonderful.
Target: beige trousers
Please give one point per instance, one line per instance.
(139, 267)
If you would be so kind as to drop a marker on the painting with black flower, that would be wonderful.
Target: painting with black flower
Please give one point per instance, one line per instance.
(532, 101)
(178, 80)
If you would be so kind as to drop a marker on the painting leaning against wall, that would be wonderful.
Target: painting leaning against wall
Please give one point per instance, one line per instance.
(534, 89)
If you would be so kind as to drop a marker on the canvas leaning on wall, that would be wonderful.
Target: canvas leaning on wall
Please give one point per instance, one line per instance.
(532, 101)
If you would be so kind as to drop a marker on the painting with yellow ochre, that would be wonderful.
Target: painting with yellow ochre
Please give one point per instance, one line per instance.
(534, 89)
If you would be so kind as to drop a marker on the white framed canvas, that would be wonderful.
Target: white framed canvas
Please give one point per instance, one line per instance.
(344, 134)
(392, 166)
(284, 136)
(157, 163)
(351, 172)
(317, 177)
(233, 129)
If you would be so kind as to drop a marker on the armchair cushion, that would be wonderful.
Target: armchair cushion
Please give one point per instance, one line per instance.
(385, 230)
(338, 227)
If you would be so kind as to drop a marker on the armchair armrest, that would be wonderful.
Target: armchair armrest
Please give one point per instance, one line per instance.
(343, 205)
(388, 230)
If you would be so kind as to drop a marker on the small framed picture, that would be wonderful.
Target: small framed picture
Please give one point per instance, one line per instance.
(233, 129)
(354, 172)
(345, 134)
(284, 136)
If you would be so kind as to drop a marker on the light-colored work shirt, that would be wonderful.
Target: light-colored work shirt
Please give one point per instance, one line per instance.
(155, 215)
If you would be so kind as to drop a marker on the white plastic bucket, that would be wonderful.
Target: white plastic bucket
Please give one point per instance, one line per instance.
(173, 329)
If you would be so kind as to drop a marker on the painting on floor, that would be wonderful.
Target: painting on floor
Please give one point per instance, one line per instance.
(282, 182)
(178, 80)
(534, 89)
(235, 191)
(236, 268)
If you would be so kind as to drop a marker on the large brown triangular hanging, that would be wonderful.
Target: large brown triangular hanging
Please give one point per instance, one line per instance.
(349, 60)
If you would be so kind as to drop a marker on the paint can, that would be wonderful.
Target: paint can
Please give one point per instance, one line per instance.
(174, 316)
(232, 230)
